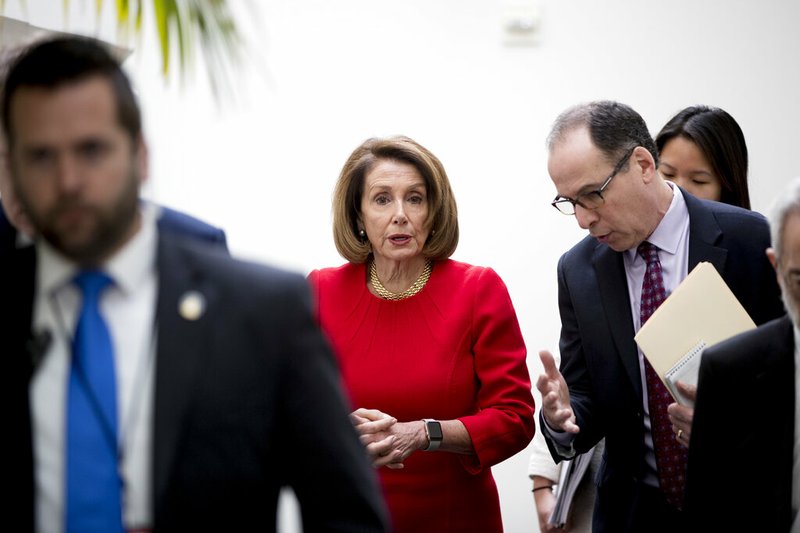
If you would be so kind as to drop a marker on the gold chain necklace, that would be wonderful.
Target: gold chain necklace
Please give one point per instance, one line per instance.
(415, 287)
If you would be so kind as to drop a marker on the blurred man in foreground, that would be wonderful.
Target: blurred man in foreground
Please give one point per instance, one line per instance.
(151, 383)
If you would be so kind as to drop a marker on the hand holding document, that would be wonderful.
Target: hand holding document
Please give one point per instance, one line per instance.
(700, 312)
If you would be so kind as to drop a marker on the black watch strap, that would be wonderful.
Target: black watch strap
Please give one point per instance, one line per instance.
(433, 429)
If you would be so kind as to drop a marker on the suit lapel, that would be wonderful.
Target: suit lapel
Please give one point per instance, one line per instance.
(183, 337)
(776, 381)
(778, 372)
(704, 232)
(613, 286)
(8, 234)
(18, 267)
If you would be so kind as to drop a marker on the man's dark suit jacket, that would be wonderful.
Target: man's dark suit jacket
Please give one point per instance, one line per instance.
(168, 220)
(8, 233)
(247, 400)
(599, 358)
(741, 456)
(180, 223)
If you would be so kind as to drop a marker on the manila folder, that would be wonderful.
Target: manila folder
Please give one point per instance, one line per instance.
(700, 312)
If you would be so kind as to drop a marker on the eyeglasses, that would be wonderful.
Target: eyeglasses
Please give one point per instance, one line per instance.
(593, 199)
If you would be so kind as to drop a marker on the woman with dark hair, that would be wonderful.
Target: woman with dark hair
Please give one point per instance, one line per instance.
(430, 348)
(703, 150)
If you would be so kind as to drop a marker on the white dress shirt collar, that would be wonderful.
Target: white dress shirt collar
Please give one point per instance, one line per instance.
(129, 310)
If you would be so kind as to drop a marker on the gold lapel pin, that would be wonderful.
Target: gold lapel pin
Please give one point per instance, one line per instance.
(192, 305)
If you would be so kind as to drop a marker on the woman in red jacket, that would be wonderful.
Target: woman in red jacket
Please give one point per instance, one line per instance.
(430, 348)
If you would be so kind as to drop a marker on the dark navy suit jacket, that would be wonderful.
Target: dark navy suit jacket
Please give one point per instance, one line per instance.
(599, 357)
(741, 457)
(248, 399)
(8, 233)
(172, 221)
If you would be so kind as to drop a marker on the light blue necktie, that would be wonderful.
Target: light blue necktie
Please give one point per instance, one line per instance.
(94, 486)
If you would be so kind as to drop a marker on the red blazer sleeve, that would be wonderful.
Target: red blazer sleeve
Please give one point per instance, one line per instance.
(504, 423)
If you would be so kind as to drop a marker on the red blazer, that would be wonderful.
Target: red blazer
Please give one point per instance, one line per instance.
(452, 351)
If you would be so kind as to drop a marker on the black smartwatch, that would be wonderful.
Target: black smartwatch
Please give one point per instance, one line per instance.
(433, 429)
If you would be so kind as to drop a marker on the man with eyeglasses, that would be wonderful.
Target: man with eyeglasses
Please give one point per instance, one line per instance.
(645, 235)
(150, 382)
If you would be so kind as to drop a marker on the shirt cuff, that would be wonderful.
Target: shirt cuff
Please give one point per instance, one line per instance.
(561, 440)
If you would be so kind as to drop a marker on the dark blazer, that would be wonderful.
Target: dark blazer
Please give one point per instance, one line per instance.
(169, 220)
(180, 223)
(8, 233)
(741, 457)
(599, 357)
(247, 400)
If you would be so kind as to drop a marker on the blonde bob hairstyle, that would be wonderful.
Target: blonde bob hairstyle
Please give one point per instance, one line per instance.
(442, 219)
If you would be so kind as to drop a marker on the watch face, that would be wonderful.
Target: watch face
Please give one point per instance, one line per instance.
(434, 430)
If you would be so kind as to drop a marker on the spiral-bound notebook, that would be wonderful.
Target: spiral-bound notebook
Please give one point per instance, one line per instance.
(685, 370)
(700, 312)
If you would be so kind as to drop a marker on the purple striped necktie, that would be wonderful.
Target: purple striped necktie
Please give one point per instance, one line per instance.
(670, 454)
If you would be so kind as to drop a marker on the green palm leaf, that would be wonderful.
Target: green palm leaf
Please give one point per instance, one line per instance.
(182, 27)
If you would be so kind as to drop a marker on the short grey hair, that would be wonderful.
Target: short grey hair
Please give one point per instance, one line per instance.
(787, 203)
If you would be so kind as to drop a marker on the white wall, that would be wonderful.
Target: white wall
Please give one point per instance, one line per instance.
(324, 75)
